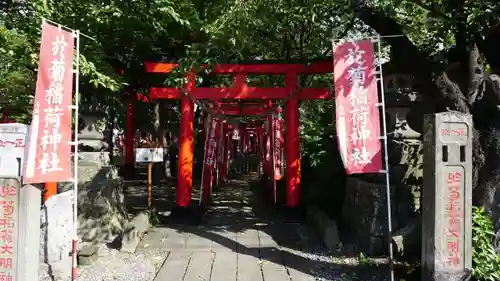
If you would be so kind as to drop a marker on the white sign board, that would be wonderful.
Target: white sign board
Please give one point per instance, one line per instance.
(12, 143)
(143, 155)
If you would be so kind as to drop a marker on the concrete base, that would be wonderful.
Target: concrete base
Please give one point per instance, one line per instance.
(192, 214)
(207, 203)
(447, 276)
(294, 214)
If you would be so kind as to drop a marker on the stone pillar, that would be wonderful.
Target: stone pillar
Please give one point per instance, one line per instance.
(292, 143)
(21, 230)
(186, 156)
(10, 189)
(447, 197)
(29, 233)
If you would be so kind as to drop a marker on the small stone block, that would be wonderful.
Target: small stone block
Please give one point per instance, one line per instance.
(88, 255)
(134, 232)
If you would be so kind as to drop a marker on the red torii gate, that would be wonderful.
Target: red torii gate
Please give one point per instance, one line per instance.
(239, 91)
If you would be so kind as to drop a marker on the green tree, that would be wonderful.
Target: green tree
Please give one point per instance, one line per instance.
(435, 35)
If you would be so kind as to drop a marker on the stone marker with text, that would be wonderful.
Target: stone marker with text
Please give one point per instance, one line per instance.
(447, 196)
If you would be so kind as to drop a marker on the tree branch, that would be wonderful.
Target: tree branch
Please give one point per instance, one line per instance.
(433, 11)
(429, 74)
(489, 47)
(475, 73)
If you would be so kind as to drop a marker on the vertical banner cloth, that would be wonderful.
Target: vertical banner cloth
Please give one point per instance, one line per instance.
(278, 148)
(356, 102)
(210, 156)
(49, 149)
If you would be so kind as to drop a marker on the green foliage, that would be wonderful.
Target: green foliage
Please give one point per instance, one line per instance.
(486, 262)
(16, 71)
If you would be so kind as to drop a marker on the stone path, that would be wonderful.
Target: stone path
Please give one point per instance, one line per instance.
(240, 240)
(232, 244)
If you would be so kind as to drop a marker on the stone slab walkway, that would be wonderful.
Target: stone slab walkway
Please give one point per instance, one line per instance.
(232, 244)
(240, 241)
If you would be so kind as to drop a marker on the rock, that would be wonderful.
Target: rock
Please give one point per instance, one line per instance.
(364, 216)
(407, 240)
(101, 206)
(134, 232)
(88, 254)
(326, 227)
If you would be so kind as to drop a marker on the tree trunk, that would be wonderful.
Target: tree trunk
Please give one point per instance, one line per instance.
(478, 94)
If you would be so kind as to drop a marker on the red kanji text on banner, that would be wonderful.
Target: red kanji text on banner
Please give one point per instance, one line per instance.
(278, 149)
(356, 102)
(49, 149)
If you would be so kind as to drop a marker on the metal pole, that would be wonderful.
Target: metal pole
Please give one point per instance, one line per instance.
(75, 155)
(150, 185)
(386, 162)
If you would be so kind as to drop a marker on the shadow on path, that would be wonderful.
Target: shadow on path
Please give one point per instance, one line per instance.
(236, 210)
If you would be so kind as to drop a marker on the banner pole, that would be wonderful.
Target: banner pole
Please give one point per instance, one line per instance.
(205, 146)
(75, 155)
(386, 163)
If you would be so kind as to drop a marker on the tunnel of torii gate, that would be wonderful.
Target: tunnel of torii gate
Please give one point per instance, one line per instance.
(240, 99)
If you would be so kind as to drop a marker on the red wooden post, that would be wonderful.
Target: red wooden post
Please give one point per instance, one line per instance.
(262, 151)
(248, 142)
(220, 162)
(267, 139)
(292, 143)
(272, 164)
(186, 141)
(241, 130)
(227, 150)
(5, 118)
(243, 134)
(130, 130)
(50, 190)
(205, 191)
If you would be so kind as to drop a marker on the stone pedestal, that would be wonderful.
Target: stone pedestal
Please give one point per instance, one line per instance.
(101, 159)
(91, 139)
(101, 206)
(447, 197)
(367, 226)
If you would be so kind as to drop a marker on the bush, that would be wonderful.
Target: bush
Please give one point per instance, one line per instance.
(485, 260)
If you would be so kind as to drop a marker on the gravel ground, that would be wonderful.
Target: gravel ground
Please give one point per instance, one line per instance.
(335, 267)
(112, 266)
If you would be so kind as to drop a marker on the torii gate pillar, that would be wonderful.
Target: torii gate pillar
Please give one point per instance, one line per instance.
(186, 155)
(292, 144)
